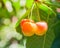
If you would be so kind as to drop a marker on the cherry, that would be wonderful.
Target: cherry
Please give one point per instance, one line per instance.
(28, 28)
(42, 28)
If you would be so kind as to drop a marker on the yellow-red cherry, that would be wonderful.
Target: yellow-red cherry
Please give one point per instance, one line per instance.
(42, 28)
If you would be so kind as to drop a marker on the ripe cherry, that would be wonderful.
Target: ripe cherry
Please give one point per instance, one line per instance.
(28, 28)
(42, 28)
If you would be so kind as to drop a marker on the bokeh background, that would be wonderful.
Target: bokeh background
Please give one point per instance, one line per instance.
(10, 12)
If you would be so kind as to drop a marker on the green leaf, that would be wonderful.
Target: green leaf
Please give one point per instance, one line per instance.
(29, 3)
(40, 41)
(55, 4)
(46, 40)
(45, 8)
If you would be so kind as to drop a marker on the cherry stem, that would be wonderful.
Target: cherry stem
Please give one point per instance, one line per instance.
(38, 12)
(28, 16)
(32, 10)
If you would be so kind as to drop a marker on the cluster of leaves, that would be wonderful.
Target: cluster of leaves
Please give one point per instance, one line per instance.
(33, 9)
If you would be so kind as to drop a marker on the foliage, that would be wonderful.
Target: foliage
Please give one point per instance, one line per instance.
(10, 30)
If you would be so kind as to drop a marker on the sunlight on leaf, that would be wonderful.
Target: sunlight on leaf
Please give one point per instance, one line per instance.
(45, 8)
(29, 3)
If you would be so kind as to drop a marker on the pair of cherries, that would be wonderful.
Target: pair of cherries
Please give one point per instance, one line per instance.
(29, 27)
